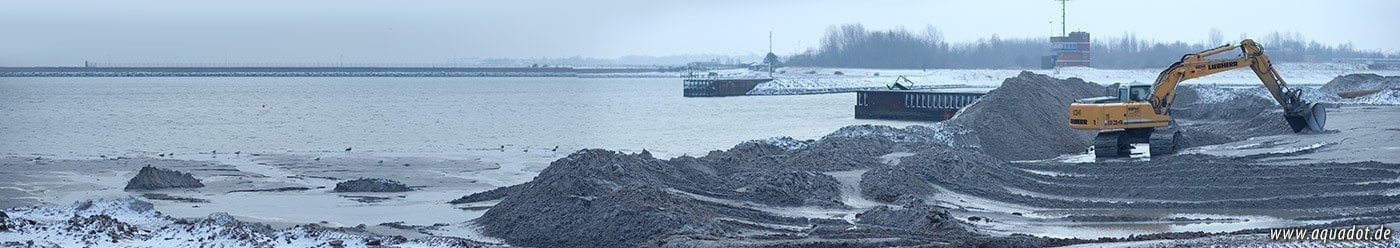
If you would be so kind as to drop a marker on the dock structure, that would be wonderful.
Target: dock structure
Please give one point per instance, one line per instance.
(918, 105)
(712, 87)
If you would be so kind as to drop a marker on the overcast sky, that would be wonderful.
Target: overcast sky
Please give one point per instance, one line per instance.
(69, 32)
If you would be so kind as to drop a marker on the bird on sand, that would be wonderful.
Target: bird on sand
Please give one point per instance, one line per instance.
(235, 153)
(556, 148)
(347, 149)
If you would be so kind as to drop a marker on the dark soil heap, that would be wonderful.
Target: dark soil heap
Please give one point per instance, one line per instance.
(151, 178)
(371, 185)
(1028, 117)
(608, 199)
(1238, 118)
(1360, 83)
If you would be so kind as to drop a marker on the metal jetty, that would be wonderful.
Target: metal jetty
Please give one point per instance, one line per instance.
(899, 102)
(918, 105)
(711, 87)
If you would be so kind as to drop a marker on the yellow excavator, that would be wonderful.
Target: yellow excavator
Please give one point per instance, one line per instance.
(1142, 113)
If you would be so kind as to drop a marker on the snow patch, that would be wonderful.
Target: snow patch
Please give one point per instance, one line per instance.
(787, 143)
(131, 222)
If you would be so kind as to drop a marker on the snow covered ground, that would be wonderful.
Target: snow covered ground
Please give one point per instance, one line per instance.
(811, 80)
(132, 222)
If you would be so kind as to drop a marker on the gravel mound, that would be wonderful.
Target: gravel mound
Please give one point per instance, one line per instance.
(955, 169)
(371, 185)
(609, 199)
(1219, 115)
(604, 199)
(916, 216)
(1027, 117)
(1213, 103)
(489, 195)
(151, 178)
(1360, 82)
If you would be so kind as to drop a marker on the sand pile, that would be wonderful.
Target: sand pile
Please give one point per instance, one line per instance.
(150, 178)
(1027, 117)
(1355, 85)
(607, 198)
(1214, 115)
(371, 185)
(915, 176)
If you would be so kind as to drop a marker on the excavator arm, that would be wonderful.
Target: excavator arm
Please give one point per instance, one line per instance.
(1299, 114)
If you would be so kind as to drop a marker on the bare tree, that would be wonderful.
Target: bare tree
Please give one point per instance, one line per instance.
(1216, 37)
(852, 45)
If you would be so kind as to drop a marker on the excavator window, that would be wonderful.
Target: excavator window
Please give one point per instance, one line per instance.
(1140, 93)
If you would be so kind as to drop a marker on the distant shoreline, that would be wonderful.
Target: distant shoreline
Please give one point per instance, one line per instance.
(326, 72)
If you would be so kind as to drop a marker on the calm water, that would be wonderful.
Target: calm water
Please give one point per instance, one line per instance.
(91, 116)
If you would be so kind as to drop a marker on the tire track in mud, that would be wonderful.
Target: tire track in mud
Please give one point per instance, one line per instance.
(1191, 183)
(1204, 180)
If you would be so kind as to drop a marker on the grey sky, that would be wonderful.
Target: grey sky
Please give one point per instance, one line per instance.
(68, 32)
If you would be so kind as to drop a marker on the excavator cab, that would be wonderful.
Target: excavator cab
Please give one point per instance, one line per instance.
(1134, 93)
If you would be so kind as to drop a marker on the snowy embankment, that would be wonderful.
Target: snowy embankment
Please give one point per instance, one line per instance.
(809, 80)
(131, 222)
(1383, 92)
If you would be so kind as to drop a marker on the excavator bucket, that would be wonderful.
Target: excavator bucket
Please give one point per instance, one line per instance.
(1317, 117)
(1313, 117)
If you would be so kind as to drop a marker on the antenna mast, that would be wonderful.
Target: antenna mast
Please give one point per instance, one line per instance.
(1064, 31)
(770, 51)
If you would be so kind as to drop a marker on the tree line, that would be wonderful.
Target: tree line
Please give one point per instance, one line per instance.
(852, 45)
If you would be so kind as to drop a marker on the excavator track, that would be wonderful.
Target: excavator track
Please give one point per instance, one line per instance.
(1164, 141)
(1111, 144)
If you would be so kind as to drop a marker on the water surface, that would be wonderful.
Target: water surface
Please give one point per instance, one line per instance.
(92, 116)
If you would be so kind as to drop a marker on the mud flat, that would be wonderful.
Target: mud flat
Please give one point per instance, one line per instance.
(1356, 134)
(283, 190)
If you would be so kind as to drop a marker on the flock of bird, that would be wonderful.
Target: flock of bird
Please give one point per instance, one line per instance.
(215, 153)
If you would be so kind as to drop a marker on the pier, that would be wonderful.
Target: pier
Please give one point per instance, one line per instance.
(921, 105)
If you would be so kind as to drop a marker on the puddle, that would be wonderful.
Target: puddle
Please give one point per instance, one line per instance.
(1139, 152)
(1052, 223)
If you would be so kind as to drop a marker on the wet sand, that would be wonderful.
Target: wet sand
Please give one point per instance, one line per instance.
(288, 189)
(1355, 134)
